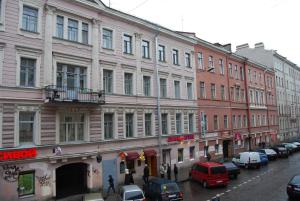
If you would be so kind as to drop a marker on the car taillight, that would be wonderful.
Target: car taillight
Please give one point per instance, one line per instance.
(181, 194)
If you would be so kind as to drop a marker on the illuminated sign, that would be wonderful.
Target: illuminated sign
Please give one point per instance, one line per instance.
(17, 154)
(180, 138)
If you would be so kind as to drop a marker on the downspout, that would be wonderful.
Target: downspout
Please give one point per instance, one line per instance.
(248, 105)
(266, 99)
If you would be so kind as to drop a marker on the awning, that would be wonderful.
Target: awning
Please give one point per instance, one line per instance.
(150, 152)
(132, 155)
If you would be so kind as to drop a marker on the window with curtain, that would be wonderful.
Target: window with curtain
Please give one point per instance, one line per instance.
(30, 19)
(72, 30)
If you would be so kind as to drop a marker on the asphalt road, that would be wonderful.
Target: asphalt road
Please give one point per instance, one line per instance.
(266, 184)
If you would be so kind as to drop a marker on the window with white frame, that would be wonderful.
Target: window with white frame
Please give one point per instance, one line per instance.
(73, 30)
(211, 64)
(233, 121)
(127, 44)
(26, 127)
(213, 91)
(245, 123)
(180, 155)
(30, 19)
(26, 183)
(72, 127)
(222, 92)
(178, 123)
(239, 122)
(200, 60)
(242, 73)
(129, 125)
(175, 57)
(192, 152)
(236, 72)
(108, 81)
(225, 121)
(108, 126)
(85, 33)
(164, 123)
(202, 90)
(161, 53)
(216, 122)
(191, 123)
(230, 69)
(107, 38)
(27, 72)
(128, 81)
(147, 85)
(177, 89)
(187, 57)
(59, 26)
(253, 123)
(148, 124)
(70, 77)
(249, 75)
(221, 63)
(145, 49)
(258, 123)
(189, 87)
(163, 87)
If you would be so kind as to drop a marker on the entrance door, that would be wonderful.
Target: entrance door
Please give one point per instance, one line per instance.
(109, 167)
(225, 149)
(71, 179)
(152, 164)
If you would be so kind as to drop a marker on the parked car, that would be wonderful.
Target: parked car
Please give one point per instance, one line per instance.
(281, 151)
(289, 147)
(131, 192)
(247, 159)
(160, 189)
(293, 188)
(93, 197)
(210, 174)
(263, 158)
(297, 144)
(232, 169)
(271, 154)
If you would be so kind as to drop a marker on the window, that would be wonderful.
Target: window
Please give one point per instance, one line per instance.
(129, 125)
(211, 64)
(202, 90)
(163, 88)
(178, 123)
(60, 27)
(255, 78)
(72, 127)
(233, 121)
(187, 57)
(70, 77)
(236, 72)
(232, 93)
(242, 73)
(239, 122)
(26, 182)
(217, 148)
(164, 123)
(222, 92)
(258, 120)
(108, 81)
(251, 97)
(145, 49)
(147, 85)
(237, 93)
(27, 72)
(225, 121)
(245, 123)
(128, 83)
(192, 152)
(249, 75)
(161, 53)
(180, 155)
(175, 57)
(222, 72)
(72, 30)
(177, 89)
(30, 19)
(26, 127)
(107, 38)
(242, 95)
(127, 42)
(191, 123)
(200, 60)
(189, 91)
(85, 33)
(108, 126)
(213, 91)
(230, 70)
(148, 124)
(253, 120)
(216, 122)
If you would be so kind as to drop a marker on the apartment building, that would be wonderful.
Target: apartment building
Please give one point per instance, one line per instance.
(287, 76)
(87, 91)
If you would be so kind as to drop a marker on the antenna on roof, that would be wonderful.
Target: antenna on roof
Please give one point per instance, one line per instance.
(181, 23)
(109, 3)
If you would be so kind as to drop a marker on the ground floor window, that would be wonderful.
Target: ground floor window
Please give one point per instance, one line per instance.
(26, 183)
(122, 167)
(130, 165)
(180, 155)
(217, 148)
(192, 152)
(206, 150)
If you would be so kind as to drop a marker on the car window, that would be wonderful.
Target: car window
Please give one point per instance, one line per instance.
(218, 170)
(133, 195)
(296, 180)
(169, 188)
(202, 169)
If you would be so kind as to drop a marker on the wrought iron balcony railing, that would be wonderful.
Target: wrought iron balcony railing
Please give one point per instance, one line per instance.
(56, 94)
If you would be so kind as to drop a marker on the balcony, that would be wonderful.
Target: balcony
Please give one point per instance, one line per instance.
(56, 94)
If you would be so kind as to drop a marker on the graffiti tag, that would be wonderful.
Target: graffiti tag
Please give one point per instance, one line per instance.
(11, 172)
(44, 180)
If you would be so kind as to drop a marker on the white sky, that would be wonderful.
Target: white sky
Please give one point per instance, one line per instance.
(276, 23)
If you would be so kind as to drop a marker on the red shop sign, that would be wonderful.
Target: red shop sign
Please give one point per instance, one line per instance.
(17, 154)
(180, 138)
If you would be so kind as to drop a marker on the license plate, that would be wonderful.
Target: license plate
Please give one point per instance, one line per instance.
(297, 189)
(172, 196)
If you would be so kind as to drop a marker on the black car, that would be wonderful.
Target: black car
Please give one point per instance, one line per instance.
(232, 169)
(271, 154)
(281, 152)
(293, 188)
(159, 189)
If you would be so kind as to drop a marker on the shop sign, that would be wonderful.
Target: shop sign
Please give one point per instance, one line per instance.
(18, 154)
(211, 135)
(181, 138)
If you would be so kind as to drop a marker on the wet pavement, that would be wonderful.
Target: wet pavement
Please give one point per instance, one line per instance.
(266, 184)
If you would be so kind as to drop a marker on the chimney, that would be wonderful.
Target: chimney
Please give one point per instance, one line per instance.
(243, 46)
(259, 45)
(227, 47)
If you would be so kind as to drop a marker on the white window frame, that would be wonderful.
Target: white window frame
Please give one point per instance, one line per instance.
(149, 49)
(130, 111)
(30, 54)
(152, 122)
(115, 126)
(200, 64)
(133, 82)
(37, 126)
(187, 91)
(132, 44)
(218, 126)
(113, 81)
(181, 123)
(175, 89)
(113, 37)
(151, 85)
(187, 55)
(193, 120)
(168, 122)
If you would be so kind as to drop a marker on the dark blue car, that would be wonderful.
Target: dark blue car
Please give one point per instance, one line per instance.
(263, 158)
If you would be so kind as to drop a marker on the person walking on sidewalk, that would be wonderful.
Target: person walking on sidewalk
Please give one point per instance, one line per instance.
(127, 177)
(146, 174)
(162, 171)
(111, 185)
(175, 172)
(169, 171)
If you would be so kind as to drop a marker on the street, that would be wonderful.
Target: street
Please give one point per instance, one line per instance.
(266, 184)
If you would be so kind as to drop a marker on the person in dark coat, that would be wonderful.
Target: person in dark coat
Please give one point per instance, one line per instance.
(175, 172)
(208, 157)
(131, 181)
(146, 174)
(111, 185)
(127, 177)
(169, 172)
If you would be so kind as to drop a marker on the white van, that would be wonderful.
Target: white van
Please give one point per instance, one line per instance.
(247, 159)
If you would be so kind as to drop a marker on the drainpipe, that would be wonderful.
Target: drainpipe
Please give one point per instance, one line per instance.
(248, 104)
(158, 101)
(265, 87)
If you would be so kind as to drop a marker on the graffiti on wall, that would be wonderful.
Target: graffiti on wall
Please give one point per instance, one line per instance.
(44, 180)
(11, 172)
(95, 171)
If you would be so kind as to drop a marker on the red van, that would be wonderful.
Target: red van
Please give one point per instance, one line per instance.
(210, 174)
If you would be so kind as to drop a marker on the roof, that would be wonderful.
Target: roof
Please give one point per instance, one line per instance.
(210, 164)
(131, 188)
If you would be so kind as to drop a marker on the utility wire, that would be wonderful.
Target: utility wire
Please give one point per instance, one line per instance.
(139, 5)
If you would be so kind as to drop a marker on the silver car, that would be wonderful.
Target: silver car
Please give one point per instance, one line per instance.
(131, 193)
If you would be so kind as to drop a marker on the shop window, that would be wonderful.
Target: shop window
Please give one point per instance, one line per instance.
(139, 163)
(192, 152)
(122, 167)
(130, 165)
(217, 148)
(180, 155)
(26, 183)
(206, 150)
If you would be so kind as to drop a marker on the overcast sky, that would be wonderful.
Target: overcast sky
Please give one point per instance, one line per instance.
(276, 23)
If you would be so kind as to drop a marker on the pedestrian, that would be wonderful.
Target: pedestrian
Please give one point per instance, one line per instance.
(175, 172)
(111, 185)
(208, 156)
(146, 174)
(169, 171)
(127, 177)
(162, 171)
(131, 181)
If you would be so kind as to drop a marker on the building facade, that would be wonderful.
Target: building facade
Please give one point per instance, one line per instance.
(287, 87)
(87, 91)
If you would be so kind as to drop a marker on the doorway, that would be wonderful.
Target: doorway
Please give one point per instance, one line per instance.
(71, 179)
(152, 164)
(226, 148)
